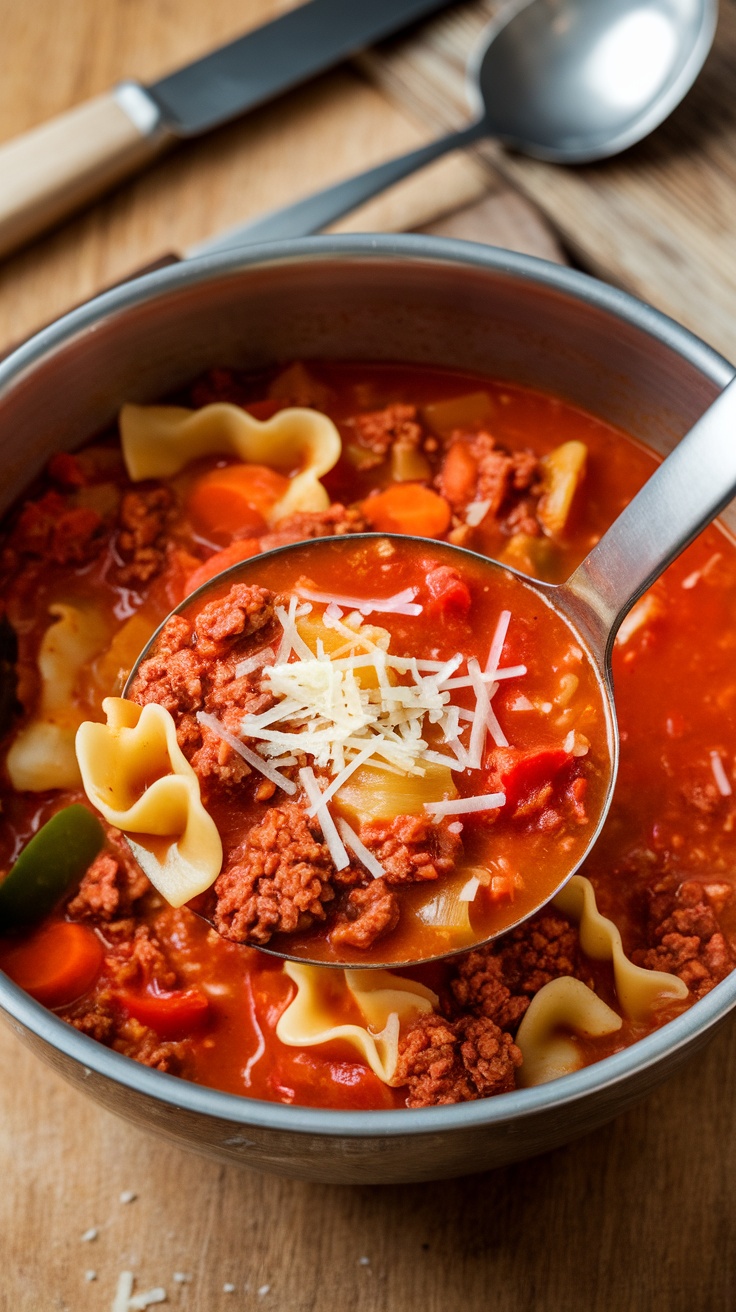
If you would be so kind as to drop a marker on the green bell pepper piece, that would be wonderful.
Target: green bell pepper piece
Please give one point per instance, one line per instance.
(56, 857)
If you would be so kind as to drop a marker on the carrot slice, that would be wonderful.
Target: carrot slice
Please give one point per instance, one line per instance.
(236, 498)
(408, 508)
(243, 549)
(57, 964)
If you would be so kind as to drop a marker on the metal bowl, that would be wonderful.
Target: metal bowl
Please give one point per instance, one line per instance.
(412, 299)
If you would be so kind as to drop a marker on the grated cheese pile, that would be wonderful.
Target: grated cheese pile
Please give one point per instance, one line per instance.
(359, 705)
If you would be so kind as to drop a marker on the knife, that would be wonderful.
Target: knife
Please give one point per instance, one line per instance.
(52, 170)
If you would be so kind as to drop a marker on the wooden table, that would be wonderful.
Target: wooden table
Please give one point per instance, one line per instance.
(637, 1217)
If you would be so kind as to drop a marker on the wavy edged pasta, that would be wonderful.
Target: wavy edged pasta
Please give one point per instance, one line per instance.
(567, 1007)
(385, 1001)
(638, 989)
(563, 1007)
(159, 440)
(42, 755)
(135, 773)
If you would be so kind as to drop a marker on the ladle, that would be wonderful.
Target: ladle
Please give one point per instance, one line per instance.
(567, 81)
(691, 487)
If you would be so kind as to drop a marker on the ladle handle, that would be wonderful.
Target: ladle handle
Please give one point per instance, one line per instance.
(318, 211)
(688, 490)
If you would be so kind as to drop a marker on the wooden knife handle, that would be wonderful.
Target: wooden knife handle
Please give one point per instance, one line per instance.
(57, 167)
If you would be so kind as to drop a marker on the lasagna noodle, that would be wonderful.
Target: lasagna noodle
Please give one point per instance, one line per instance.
(159, 440)
(563, 1008)
(42, 755)
(638, 990)
(135, 773)
(385, 1001)
(566, 1007)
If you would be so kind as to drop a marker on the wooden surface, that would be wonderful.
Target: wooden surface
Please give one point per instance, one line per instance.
(638, 1217)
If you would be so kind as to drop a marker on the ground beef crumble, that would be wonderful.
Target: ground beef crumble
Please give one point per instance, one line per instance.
(140, 542)
(367, 913)
(308, 524)
(499, 980)
(477, 469)
(277, 881)
(684, 935)
(379, 430)
(448, 1061)
(196, 671)
(112, 885)
(411, 848)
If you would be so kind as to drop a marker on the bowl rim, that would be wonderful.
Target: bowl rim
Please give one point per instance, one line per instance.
(238, 1109)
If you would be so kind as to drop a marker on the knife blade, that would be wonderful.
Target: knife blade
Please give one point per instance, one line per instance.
(54, 169)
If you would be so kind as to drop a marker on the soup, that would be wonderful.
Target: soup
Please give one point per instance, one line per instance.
(100, 551)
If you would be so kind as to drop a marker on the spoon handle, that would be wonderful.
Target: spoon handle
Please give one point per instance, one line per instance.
(317, 211)
(688, 490)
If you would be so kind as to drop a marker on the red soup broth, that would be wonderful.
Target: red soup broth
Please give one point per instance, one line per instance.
(170, 992)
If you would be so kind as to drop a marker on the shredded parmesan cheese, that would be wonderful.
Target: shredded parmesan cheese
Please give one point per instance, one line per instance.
(333, 840)
(468, 891)
(475, 512)
(402, 603)
(239, 746)
(723, 783)
(364, 855)
(464, 805)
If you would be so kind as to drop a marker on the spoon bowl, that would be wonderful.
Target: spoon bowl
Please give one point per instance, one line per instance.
(405, 661)
(568, 81)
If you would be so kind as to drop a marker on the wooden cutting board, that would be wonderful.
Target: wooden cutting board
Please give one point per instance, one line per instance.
(637, 1218)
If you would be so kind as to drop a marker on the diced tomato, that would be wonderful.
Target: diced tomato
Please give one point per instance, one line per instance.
(519, 773)
(57, 964)
(172, 1015)
(449, 595)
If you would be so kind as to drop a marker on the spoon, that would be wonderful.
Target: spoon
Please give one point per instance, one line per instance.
(686, 492)
(569, 81)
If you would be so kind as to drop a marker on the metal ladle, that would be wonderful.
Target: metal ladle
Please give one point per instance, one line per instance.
(569, 81)
(687, 491)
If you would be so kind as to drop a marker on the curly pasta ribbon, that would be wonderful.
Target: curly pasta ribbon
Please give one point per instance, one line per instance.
(638, 989)
(159, 440)
(135, 773)
(563, 1004)
(42, 755)
(384, 1000)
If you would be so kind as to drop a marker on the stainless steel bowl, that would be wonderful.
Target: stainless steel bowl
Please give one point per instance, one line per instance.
(412, 299)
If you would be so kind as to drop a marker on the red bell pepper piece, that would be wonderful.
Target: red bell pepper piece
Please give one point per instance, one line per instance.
(172, 1015)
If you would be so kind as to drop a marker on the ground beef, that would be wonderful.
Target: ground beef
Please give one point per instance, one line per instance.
(143, 517)
(499, 980)
(277, 881)
(140, 960)
(111, 886)
(379, 430)
(172, 677)
(410, 848)
(368, 913)
(246, 609)
(53, 530)
(443, 1061)
(477, 469)
(130, 1037)
(192, 672)
(309, 524)
(684, 934)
